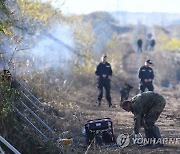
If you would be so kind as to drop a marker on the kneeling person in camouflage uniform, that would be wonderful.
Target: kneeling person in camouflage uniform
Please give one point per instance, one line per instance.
(146, 108)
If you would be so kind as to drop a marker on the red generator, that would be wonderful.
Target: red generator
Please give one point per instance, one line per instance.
(101, 130)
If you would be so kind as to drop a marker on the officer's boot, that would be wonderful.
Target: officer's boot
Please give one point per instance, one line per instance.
(149, 138)
(99, 103)
(157, 136)
(110, 104)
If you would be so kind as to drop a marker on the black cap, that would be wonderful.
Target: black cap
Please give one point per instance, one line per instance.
(104, 55)
(149, 61)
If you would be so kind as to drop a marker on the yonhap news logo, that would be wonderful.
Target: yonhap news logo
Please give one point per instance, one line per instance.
(123, 140)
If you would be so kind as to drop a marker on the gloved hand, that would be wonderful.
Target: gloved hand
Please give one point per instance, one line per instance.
(138, 139)
(150, 80)
(104, 75)
(146, 80)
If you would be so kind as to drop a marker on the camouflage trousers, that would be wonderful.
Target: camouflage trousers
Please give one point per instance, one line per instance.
(154, 112)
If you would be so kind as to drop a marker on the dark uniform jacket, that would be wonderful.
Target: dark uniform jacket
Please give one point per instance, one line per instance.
(139, 42)
(146, 72)
(153, 42)
(103, 69)
(142, 103)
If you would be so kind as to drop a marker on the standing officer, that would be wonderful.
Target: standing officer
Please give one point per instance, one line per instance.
(139, 44)
(146, 76)
(104, 73)
(152, 44)
(146, 108)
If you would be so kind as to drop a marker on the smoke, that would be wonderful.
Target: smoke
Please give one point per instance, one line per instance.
(47, 55)
(102, 29)
(50, 49)
(35, 46)
(6, 52)
(50, 52)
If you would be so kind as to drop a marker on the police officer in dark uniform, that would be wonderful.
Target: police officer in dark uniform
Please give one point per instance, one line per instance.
(104, 73)
(146, 108)
(139, 44)
(146, 76)
(152, 44)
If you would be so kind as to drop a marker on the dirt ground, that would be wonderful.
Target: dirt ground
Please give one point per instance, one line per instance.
(169, 122)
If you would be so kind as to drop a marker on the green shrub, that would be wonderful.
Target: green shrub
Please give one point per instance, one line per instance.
(173, 44)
